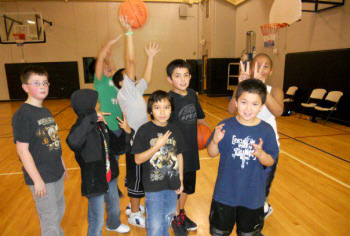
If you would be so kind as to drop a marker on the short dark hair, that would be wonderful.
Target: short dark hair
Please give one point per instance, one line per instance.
(178, 63)
(32, 70)
(158, 96)
(252, 86)
(118, 77)
(262, 55)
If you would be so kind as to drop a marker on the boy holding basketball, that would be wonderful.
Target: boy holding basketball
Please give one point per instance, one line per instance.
(133, 105)
(38, 145)
(247, 144)
(188, 112)
(261, 69)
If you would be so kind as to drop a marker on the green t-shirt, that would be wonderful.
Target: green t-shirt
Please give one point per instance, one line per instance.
(107, 96)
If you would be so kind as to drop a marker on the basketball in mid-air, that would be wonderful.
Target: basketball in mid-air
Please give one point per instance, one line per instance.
(136, 11)
(203, 135)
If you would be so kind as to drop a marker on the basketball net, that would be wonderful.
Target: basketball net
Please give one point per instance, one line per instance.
(270, 32)
(19, 38)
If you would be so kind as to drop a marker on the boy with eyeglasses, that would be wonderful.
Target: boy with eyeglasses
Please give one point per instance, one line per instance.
(38, 146)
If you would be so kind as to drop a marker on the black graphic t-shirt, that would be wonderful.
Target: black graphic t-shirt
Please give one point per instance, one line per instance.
(161, 171)
(36, 126)
(187, 111)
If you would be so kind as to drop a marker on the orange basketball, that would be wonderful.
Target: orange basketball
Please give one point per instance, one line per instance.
(203, 135)
(136, 11)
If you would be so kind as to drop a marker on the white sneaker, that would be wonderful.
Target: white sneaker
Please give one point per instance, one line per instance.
(137, 219)
(267, 210)
(128, 209)
(122, 229)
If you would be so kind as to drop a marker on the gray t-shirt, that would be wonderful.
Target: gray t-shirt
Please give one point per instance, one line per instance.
(132, 103)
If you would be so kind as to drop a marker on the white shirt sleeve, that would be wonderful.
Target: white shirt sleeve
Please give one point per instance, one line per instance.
(142, 86)
(128, 90)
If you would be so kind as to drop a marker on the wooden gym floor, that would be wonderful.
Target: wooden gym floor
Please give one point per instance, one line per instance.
(310, 194)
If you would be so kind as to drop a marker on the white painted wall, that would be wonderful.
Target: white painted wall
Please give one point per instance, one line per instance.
(81, 27)
(316, 31)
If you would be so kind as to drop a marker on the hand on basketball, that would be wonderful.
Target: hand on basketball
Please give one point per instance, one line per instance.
(219, 134)
(258, 151)
(123, 124)
(163, 139)
(152, 49)
(125, 25)
(100, 117)
(40, 188)
(258, 72)
(245, 72)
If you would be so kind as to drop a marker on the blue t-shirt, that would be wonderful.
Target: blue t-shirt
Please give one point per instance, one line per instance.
(240, 180)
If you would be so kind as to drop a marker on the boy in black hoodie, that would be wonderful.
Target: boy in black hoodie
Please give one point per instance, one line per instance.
(95, 146)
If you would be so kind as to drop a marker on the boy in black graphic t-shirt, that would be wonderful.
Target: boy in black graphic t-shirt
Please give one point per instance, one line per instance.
(158, 147)
(39, 149)
(187, 114)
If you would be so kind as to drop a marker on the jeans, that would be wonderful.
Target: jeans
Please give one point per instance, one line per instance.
(118, 133)
(269, 175)
(51, 208)
(96, 210)
(160, 208)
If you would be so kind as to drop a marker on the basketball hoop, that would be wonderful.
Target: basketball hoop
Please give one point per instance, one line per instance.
(19, 38)
(269, 32)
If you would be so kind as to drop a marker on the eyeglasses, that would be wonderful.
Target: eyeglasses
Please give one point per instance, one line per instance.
(37, 83)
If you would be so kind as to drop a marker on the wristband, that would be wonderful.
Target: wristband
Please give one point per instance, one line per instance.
(129, 33)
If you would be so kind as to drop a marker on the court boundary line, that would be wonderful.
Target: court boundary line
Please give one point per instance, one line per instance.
(288, 135)
(304, 163)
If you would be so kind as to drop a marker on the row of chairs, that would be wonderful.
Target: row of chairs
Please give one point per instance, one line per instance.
(316, 96)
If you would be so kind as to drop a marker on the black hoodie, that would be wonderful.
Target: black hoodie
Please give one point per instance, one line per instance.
(86, 141)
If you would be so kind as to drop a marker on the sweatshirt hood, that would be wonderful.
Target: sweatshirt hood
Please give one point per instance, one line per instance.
(84, 101)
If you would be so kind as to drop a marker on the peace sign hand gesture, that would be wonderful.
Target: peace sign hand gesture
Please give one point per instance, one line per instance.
(245, 72)
(258, 151)
(163, 139)
(123, 124)
(258, 71)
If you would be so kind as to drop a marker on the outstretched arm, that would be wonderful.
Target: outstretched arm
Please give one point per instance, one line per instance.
(105, 52)
(130, 58)
(151, 51)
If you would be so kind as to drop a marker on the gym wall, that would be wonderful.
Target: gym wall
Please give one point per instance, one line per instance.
(316, 31)
(80, 28)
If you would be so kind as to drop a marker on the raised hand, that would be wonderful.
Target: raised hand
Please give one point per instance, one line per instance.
(152, 49)
(113, 41)
(258, 71)
(123, 124)
(258, 151)
(163, 139)
(219, 133)
(245, 72)
(100, 116)
(125, 25)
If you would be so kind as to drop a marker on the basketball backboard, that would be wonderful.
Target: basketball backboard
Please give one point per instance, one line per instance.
(285, 11)
(27, 25)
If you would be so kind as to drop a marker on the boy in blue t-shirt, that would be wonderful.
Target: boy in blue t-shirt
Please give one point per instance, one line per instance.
(246, 144)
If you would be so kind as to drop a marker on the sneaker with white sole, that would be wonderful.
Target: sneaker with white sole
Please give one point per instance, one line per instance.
(122, 229)
(267, 210)
(128, 209)
(137, 219)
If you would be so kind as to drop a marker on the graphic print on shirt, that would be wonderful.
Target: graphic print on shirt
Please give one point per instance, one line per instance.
(243, 149)
(188, 114)
(164, 162)
(48, 131)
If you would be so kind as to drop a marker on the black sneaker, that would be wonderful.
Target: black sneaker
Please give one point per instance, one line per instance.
(178, 227)
(188, 224)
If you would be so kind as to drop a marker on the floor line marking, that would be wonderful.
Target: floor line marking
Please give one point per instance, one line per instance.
(315, 169)
(304, 163)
